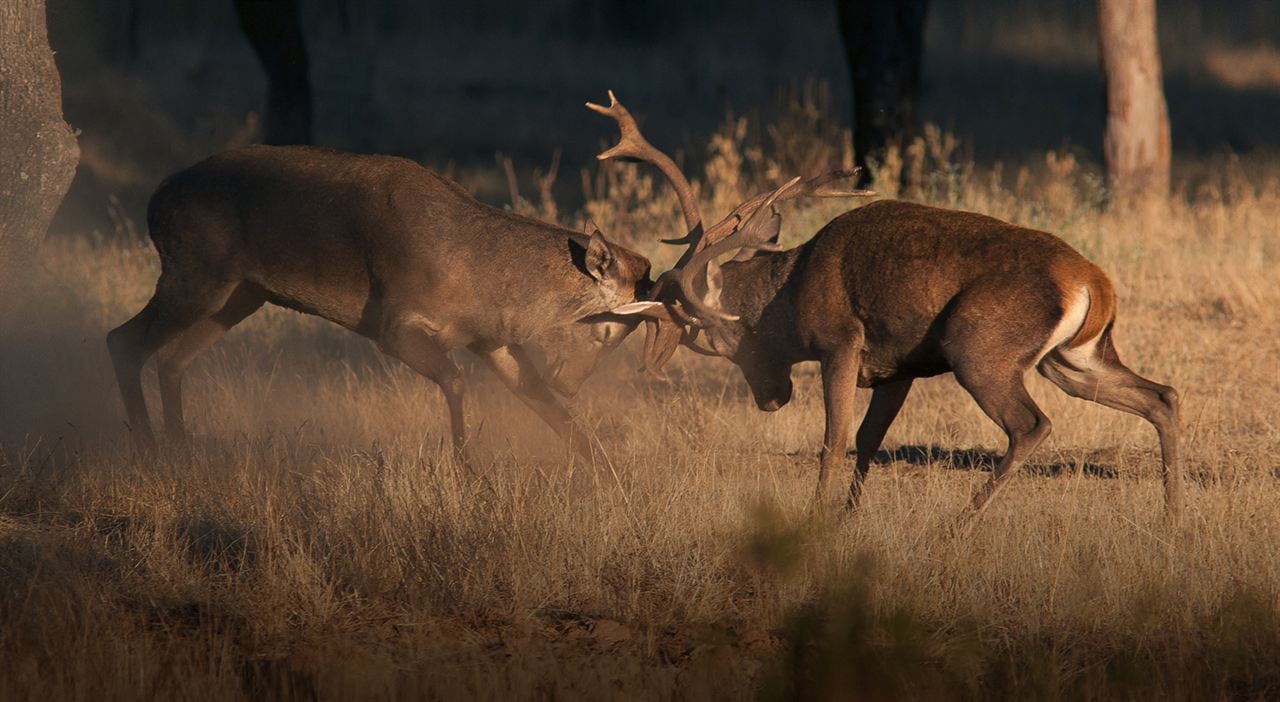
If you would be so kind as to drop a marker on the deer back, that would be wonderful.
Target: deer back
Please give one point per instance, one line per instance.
(348, 236)
(897, 273)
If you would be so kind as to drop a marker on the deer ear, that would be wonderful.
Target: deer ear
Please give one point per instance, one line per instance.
(599, 256)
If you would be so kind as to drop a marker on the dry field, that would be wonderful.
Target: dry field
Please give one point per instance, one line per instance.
(314, 539)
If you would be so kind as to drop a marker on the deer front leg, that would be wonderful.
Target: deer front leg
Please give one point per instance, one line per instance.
(521, 376)
(886, 401)
(413, 341)
(839, 384)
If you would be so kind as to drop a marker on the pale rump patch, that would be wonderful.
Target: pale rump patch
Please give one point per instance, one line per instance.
(1077, 308)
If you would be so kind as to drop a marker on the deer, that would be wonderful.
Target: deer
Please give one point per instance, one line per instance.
(385, 248)
(882, 295)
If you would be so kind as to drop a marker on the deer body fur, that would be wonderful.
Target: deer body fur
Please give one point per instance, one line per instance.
(384, 248)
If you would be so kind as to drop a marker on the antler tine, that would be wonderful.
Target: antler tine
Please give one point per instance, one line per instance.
(731, 224)
(813, 187)
(633, 146)
(817, 186)
(744, 229)
(743, 225)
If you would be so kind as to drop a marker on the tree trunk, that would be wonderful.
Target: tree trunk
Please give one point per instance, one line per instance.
(884, 45)
(274, 29)
(38, 152)
(1136, 141)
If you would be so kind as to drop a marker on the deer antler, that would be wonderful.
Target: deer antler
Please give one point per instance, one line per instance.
(818, 186)
(632, 146)
(752, 226)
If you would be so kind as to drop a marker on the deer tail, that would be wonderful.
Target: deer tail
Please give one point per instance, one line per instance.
(1102, 310)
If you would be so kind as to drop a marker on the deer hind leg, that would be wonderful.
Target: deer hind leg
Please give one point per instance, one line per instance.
(413, 340)
(886, 402)
(128, 356)
(1094, 372)
(171, 311)
(1001, 394)
(987, 344)
(178, 354)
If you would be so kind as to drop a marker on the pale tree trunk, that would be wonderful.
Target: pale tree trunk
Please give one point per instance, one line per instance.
(1136, 141)
(38, 152)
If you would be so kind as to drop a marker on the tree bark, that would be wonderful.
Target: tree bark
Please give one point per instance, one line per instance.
(1136, 140)
(38, 152)
(274, 29)
(884, 45)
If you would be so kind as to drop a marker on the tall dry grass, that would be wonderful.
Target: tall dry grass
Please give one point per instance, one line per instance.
(315, 539)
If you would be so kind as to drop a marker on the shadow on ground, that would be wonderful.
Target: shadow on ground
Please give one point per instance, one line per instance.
(977, 459)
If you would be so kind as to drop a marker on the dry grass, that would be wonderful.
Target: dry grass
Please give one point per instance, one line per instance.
(315, 539)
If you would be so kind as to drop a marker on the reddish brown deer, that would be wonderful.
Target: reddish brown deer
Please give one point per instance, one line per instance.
(390, 251)
(888, 293)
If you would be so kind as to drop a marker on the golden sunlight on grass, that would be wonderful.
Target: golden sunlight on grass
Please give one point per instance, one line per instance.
(315, 538)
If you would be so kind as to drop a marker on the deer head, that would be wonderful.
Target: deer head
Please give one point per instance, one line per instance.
(620, 277)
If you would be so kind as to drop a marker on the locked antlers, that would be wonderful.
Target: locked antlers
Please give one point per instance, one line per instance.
(752, 227)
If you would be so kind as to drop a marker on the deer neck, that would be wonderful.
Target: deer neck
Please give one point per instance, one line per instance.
(756, 291)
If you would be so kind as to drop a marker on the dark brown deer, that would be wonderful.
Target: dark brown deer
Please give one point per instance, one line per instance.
(390, 251)
(888, 293)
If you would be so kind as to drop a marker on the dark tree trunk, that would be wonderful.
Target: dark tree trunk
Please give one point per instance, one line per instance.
(274, 29)
(119, 29)
(38, 152)
(133, 18)
(884, 44)
(1136, 140)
